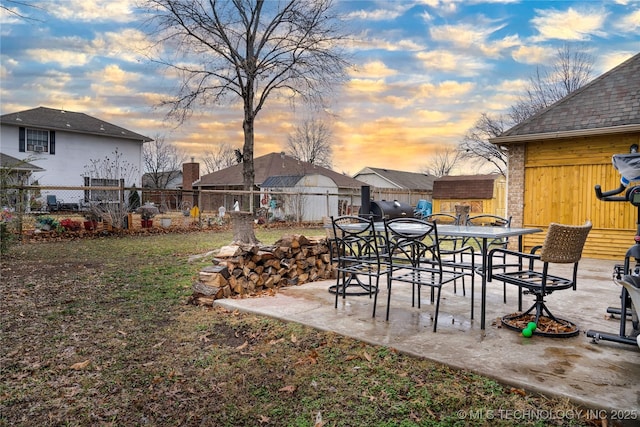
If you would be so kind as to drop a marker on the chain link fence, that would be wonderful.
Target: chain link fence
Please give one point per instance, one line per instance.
(115, 206)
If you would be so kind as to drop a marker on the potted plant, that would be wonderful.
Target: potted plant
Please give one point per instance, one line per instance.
(70, 225)
(47, 223)
(91, 220)
(147, 212)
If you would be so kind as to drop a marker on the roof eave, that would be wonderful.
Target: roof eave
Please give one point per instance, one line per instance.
(566, 134)
(135, 137)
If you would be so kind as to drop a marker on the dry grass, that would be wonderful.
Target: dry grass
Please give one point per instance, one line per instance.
(97, 332)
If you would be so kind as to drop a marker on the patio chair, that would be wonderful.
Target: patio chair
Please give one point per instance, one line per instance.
(357, 249)
(563, 244)
(487, 220)
(53, 205)
(413, 254)
(450, 244)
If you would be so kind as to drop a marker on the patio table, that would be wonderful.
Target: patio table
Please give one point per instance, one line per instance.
(482, 233)
(485, 234)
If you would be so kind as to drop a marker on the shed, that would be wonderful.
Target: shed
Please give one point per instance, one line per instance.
(389, 184)
(482, 193)
(557, 156)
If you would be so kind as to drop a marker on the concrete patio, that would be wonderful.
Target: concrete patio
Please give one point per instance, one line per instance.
(603, 375)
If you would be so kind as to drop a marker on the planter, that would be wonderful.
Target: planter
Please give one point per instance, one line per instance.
(90, 225)
(165, 222)
(147, 223)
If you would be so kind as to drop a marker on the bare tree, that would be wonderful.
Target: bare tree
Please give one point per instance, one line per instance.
(162, 161)
(223, 158)
(311, 142)
(571, 69)
(443, 161)
(476, 147)
(13, 7)
(111, 172)
(249, 49)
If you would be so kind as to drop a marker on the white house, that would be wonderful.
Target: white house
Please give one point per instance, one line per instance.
(64, 144)
(67, 146)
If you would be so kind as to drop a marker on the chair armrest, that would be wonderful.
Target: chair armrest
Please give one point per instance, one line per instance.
(520, 255)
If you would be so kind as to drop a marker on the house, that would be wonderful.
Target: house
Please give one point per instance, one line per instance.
(412, 186)
(14, 171)
(559, 155)
(482, 193)
(162, 180)
(71, 148)
(320, 191)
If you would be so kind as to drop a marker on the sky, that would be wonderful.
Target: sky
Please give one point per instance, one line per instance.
(423, 72)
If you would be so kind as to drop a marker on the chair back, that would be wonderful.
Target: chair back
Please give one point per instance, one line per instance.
(443, 218)
(489, 221)
(564, 243)
(411, 240)
(355, 237)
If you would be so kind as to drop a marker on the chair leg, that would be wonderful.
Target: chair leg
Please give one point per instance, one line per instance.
(388, 297)
(435, 319)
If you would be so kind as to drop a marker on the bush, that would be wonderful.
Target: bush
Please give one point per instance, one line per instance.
(7, 236)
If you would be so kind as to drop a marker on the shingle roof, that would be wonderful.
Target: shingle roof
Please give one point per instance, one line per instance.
(274, 164)
(9, 162)
(403, 179)
(611, 100)
(464, 187)
(68, 121)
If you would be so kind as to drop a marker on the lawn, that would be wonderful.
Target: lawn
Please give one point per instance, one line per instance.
(99, 332)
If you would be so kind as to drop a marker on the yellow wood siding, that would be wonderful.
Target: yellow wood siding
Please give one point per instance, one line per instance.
(560, 177)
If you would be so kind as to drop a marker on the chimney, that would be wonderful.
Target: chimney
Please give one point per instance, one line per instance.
(190, 173)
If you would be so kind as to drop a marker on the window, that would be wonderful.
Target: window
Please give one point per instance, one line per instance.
(37, 140)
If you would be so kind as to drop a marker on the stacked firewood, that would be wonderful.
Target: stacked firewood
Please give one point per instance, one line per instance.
(240, 269)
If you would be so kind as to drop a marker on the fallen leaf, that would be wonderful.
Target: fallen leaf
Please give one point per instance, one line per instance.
(294, 339)
(366, 356)
(519, 391)
(122, 333)
(81, 365)
(319, 422)
(264, 419)
(288, 388)
(242, 346)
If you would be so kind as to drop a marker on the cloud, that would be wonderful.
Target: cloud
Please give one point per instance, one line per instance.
(126, 45)
(389, 12)
(533, 54)
(64, 58)
(374, 69)
(93, 10)
(447, 61)
(571, 24)
(629, 23)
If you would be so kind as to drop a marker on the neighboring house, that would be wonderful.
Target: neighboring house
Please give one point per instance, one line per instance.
(64, 143)
(482, 193)
(278, 172)
(414, 186)
(164, 180)
(14, 171)
(557, 157)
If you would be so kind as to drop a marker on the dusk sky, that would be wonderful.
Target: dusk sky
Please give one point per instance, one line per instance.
(426, 70)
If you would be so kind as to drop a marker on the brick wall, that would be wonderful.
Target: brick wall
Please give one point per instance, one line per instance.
(515, 184)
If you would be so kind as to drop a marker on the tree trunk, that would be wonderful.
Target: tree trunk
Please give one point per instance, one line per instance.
(243, 228)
